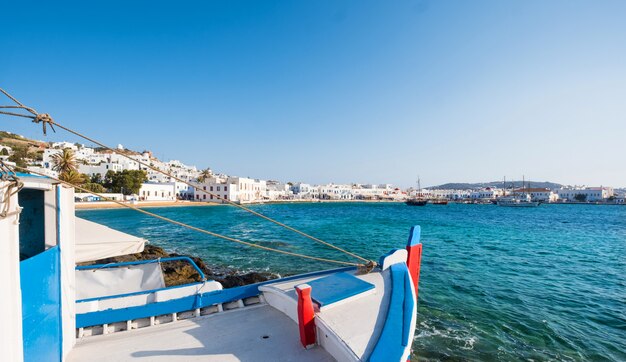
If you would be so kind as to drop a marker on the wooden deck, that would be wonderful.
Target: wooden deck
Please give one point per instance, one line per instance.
(259, 333)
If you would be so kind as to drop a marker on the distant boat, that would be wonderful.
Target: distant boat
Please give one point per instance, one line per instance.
(522, 199)
(419, 199)
(416, 202)
(440, 202)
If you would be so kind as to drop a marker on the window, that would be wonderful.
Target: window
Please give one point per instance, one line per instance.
(204, 197)
(211, 197)
(211, 188)
(225, 188)
(218, 188)
(225, 197)
(204, 187)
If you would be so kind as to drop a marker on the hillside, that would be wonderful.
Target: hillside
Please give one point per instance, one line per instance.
(12, 140)
(479, 185)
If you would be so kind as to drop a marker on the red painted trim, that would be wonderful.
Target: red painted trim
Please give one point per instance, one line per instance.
(306, 315)
(414, 262)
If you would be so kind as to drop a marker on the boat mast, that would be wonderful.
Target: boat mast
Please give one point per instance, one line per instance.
(419, 188)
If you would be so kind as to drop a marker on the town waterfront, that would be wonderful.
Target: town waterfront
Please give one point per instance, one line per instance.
(496, 283)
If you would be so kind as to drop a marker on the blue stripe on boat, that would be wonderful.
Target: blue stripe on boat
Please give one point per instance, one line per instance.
(394, 339)
(414, 235)
(186, 303)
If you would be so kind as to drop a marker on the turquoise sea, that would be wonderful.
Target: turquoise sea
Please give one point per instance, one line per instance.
(505, 284)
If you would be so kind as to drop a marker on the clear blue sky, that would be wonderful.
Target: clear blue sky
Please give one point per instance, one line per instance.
(343, 91)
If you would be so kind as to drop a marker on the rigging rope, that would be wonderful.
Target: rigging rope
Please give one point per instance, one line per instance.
(190, 226)
(45, 120)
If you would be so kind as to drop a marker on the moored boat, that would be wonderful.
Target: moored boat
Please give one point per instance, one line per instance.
(419, 199)
(57, 311)
(523, 200)
(416, 202)
(518, 199)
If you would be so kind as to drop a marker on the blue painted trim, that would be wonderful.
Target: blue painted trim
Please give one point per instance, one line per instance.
(22, 174)
(137, 293)
(139, 262)
(394, 338)
(187, 303)
(58, 236)
(409, 304)
(414, 235)
(41, 319)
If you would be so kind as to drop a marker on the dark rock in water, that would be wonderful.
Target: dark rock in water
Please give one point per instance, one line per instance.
(244, 279)
(181, 272)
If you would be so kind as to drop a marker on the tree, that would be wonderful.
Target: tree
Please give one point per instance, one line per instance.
(4, 152)
(580, 197)
(94, 187)
(19, 156)
(204, 174)
(73, 177)
(127, 181)
(64, 161)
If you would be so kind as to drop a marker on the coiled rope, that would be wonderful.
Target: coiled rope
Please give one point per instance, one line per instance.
(46, 120)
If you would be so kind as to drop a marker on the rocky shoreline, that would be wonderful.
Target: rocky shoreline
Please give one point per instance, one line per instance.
(181, 272)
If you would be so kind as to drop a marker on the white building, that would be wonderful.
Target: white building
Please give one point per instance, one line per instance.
(183, 191)
(450, 194)
(538, 194)
(303, 190)
(152, 191)
(63, 145)
(277, 191)
(100, 169)
(487, 193)
(590, 194)
(233, 188)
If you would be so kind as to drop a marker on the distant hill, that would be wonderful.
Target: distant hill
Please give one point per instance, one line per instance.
(16, 141)
(480, 185)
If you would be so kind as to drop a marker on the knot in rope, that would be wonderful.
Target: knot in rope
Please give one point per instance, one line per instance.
(44, 119)
(366, 268)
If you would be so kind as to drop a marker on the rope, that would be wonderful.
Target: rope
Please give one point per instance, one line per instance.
(45, 119)
(193, 227)
(14, 183)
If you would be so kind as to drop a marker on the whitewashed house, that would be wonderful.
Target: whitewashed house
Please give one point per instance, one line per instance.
(538, 194)
(233, 188)
(277, 191)
(183, 191)
(487, 193)
(153, 191)
(591, 194)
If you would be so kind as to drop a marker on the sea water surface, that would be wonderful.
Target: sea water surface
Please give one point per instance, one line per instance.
(505, 284)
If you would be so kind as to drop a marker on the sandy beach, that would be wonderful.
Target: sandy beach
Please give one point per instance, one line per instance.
(179, 203)
(112, 205)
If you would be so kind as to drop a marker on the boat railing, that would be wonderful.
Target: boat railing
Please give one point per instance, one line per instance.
(96, 267)
(176, 304)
